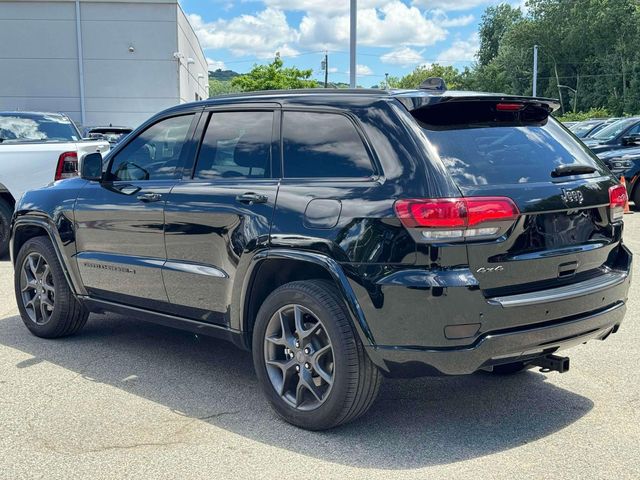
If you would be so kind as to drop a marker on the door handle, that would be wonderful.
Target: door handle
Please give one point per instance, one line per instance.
(251, 198)
(149, 197)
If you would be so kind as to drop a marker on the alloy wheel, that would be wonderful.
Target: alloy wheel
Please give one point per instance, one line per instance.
(37, 288)
(299, 357)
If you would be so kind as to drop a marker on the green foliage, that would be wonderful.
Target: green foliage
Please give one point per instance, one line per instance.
(449, 74)
(219, 87)
(580, 116)
(274, 77)
(587, 45)
(496, 21)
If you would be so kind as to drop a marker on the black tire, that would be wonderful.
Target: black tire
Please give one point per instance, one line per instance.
(67, 316)
(5, 224)
(356, 380)
(509, 368)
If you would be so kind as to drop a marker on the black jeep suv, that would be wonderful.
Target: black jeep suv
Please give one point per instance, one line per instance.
(340, 236)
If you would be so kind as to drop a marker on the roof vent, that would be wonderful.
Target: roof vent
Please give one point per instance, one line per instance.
(433, 83)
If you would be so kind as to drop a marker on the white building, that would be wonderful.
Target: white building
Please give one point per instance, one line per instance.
(100, 61)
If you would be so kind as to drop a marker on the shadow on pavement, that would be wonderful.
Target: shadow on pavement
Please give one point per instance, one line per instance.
(414, 423)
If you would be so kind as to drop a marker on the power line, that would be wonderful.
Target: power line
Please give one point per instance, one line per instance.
(256, 59)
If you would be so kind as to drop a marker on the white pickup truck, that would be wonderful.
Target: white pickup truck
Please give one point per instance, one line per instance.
(35, 150)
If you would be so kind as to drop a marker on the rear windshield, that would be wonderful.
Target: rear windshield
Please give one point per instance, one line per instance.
(19, 127)
(493, 153)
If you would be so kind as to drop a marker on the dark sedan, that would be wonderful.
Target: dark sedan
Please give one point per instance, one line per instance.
(625, 163)
(620, 134)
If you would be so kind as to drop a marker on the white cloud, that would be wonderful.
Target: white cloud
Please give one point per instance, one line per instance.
(215, 64)
(449, 5)
(405, 57)
(460, 51)
(327, 7)
(258, 35)
(461, 21)
(363, 70)
(393, 24)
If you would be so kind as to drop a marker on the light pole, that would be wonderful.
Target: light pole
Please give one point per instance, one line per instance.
(535, 70)
(352, 44)
(575, 95)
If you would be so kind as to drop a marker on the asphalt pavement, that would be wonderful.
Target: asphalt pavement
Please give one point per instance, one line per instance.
(128, 399)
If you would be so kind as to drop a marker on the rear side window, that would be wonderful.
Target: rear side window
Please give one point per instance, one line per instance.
(236, 144)
(323, 145)
(494, 152)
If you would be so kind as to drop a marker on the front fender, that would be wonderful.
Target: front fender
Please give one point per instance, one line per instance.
(61, 236)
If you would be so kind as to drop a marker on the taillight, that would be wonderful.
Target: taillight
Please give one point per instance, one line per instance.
(457, 218)
(67, 165)
(617, 200)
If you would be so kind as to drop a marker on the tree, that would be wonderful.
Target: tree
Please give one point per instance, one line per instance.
(274, 77)
(449, 74)
(587, 45)
(496, 21)
(220, 87)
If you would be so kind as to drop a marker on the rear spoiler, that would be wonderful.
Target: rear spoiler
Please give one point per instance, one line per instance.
(415, 100)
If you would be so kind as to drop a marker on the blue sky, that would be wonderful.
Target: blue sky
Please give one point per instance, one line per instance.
(394, 36)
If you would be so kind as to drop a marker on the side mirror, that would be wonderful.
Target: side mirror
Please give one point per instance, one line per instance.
(91, 167)
(631, 140)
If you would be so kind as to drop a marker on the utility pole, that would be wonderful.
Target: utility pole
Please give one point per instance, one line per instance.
(352, 44)
(535, 70)
(386, 81)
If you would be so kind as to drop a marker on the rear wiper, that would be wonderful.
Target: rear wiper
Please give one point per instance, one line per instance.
(574, 169)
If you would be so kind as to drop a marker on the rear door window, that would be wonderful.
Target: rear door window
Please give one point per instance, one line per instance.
(236, 145)
(323, 145)
(493, 153)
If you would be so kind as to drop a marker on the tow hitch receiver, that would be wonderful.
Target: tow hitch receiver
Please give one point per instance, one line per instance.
(552, 363)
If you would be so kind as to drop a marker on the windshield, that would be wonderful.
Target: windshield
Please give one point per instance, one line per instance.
(613, 130)
(26, 127)
(582, 129)
(498, 155)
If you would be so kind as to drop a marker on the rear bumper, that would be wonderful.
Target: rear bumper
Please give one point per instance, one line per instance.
(498, 347)
(420, 330)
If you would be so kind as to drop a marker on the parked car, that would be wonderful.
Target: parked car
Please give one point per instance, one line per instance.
(340, 236)
(625, 163)
(111, 134)
(603, 125)
(620, 134)
(583, 129)
(36, 149)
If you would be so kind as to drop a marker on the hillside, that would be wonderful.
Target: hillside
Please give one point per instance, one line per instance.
(222, 75)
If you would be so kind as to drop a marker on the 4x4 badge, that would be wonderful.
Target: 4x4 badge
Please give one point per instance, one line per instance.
(572, 196)
(499, 268)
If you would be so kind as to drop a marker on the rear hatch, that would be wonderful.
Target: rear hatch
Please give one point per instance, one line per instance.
(545, 211)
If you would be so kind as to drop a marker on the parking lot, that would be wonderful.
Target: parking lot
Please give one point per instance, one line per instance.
(127, 399)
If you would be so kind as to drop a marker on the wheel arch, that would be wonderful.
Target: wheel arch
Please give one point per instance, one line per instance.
(272, 268)
(30, 226)
(5, 195)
